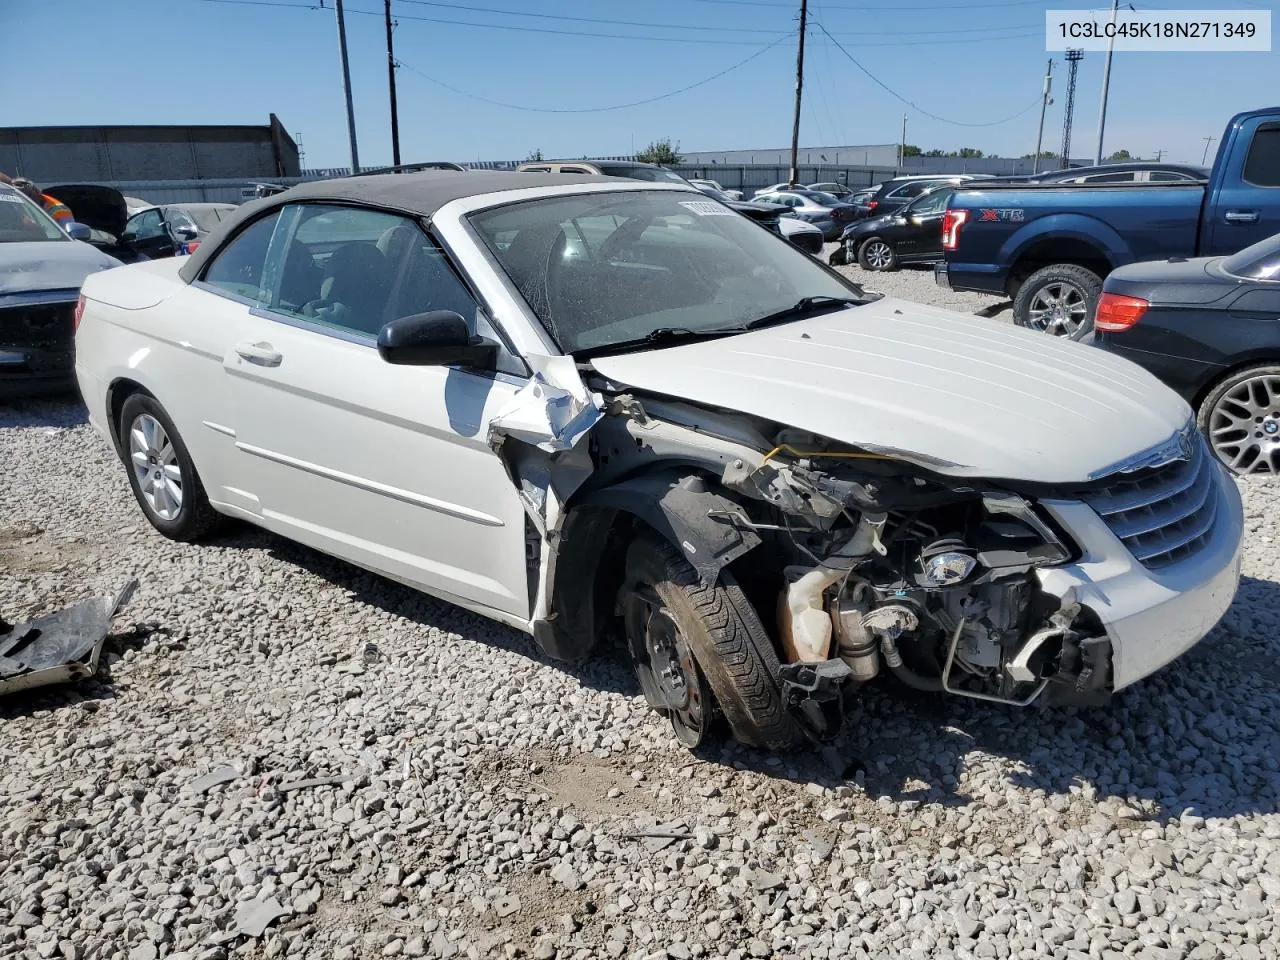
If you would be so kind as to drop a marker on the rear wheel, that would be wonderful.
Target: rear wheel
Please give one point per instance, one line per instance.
(161, 473)
(1059, 300)
(877, 254)
(701, 652)
(1240, 418)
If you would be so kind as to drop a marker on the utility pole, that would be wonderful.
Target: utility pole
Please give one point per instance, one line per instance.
(1106, 82)
(346, 85)
(1160, 154)
(1073, 60)
(902, 147)
(1204, 158)
(391, 84)
(795, 122)
(1044, 106)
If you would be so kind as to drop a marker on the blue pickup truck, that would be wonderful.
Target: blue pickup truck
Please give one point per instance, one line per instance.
(1049, 246)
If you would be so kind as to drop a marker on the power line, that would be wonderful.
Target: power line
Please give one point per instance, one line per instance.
(618, 106)
(863, 9)
(933, 116)
(599, 20)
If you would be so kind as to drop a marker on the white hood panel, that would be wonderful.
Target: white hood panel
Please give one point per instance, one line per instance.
(995, 400)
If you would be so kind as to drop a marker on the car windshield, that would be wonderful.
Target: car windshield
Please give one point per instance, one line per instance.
(206, 218)
(605, 269)
(1258, 262)
(21, 221)
(653, 174)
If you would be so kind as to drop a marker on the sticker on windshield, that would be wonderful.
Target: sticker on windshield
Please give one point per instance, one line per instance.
(707, 208)
(10, 198)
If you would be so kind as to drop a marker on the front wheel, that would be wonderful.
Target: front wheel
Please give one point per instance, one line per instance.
(878, 255)
(1240, 418)
(701, 651)
(1059, 300)
(161, 472)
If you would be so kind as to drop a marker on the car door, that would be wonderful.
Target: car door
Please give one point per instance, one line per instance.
(920, 229)
(146, 233)
(386, 466)
(1246, 208)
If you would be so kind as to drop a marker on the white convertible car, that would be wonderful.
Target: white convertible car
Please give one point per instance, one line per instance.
(593, 408)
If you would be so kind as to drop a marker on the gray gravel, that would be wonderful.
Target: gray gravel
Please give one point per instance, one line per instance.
(465, 798)
(916, 283)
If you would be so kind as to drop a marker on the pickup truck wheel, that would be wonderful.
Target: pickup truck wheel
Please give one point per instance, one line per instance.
(1059, 300)
(700, 651)
(1240, 418)
(878, 255)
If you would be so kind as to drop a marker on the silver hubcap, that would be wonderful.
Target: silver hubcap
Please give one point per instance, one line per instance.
(1058, 309)
(879, 256)
(1244, 426)
(155, 464)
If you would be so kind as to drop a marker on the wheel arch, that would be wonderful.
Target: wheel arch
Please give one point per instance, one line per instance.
(1255, 358)
(1066, 238)
(118, 391)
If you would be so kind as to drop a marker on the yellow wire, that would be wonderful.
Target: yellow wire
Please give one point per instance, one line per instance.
(822, 453)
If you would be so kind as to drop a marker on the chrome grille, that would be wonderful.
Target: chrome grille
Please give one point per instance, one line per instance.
(1164, 514)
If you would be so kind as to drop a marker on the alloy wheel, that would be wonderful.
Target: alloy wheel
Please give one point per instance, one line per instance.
(155, 465)
(878, 255)
(1244, 426)
(1058, 309)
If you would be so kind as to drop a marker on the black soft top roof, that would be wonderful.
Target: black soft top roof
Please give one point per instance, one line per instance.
(417, 194)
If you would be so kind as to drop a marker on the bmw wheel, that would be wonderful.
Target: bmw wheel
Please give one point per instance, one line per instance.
(1240, 418)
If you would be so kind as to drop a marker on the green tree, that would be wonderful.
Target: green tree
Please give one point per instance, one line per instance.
(661, 151)
(1120, 156)
(969, 153)
(935, 152)
(910, 150)
(1044, 155)
(534, 155)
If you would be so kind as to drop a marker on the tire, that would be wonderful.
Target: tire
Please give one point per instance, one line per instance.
(877, 254)
(1059, 300)
(1244, 412)
(161, 473)
(731, 651)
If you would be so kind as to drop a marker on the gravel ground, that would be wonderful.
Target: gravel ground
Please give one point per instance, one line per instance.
(490, 803)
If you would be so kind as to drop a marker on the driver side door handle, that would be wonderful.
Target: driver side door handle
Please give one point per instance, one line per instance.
(1241, 216)
(263, 354)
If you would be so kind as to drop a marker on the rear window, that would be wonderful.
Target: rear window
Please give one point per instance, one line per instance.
(652, 174)
(1258, 262)
(1262, 165)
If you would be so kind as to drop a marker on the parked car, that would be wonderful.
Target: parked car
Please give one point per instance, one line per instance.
(1207, 328)
(821, 209)
(415, 168)
(911, 235)
(588, 408)
(104, 212)
(892, 195)
(1138, 171)
(41, 269)
(861, 197)
(715, 185)
(840, 191)
(803, 234)
(1049, 246)
(175, 228)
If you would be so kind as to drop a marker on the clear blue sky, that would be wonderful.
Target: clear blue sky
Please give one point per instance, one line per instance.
(197, 61)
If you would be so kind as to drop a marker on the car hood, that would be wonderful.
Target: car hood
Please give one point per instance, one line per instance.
(971, 397)
(791, 226)
(49, 265)
(100, 208)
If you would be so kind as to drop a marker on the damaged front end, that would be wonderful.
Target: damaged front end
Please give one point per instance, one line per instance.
(856, 561)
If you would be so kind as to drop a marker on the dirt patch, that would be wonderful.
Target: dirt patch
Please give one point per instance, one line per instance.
(27, 549)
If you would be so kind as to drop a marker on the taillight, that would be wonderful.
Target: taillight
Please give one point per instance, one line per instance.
(952, 221)
(872, 204)
(1116, 313)
(79, 313)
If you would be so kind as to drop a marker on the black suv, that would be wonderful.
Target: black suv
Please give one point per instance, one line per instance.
(895, 194)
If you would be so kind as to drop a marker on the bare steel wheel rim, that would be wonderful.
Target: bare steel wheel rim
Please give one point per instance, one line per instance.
(878, 255)
(664, 663)
(1244, 426)
(1058, 309)
(155, 466)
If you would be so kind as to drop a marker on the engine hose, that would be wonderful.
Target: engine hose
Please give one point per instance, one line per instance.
(904, 673)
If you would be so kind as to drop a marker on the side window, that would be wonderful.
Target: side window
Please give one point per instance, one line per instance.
(144, 226)
(1262, 165)
(1126, 177)
(356, 270)
(536, 170)
(574, 170)
(238, 267)
(1167, 176)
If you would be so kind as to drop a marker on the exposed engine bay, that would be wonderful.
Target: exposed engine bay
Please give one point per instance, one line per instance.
(856, 561)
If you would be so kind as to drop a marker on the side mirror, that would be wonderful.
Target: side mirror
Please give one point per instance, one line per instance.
(436, 339)
(78, 231)
(184, 233)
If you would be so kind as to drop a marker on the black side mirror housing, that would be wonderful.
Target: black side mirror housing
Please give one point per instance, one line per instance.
(436, 339)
